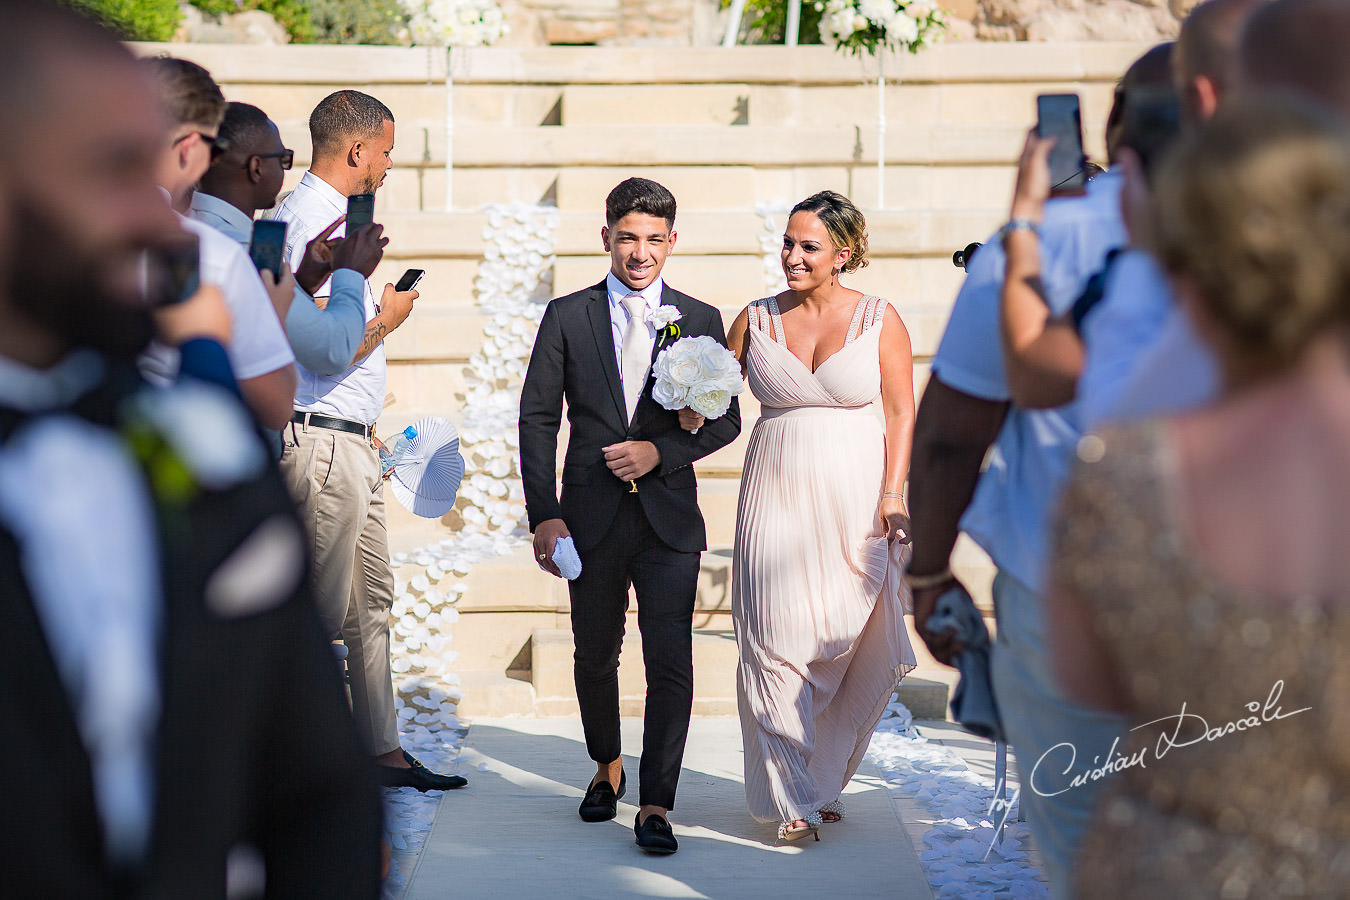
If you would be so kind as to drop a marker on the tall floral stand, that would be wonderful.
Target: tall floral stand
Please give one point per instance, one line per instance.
(449, 129)
(881, 129)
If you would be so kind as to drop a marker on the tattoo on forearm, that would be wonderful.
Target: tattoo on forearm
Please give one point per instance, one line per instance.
(375, 333)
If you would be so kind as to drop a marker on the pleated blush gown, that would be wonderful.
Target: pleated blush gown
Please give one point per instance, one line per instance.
(817, 597)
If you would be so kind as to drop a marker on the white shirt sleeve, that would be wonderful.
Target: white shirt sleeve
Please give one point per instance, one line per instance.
(257, 344)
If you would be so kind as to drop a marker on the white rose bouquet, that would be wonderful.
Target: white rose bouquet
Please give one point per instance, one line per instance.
(699, 373)
(455, 23)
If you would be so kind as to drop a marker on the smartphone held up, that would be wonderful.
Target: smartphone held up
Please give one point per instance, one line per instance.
(360, 211)
(173, 271)
(1059, 116)
(268, 247)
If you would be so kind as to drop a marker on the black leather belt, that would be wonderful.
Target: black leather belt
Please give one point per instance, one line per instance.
(347, 425)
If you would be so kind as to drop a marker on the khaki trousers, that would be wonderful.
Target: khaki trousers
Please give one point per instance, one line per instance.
(334, 478)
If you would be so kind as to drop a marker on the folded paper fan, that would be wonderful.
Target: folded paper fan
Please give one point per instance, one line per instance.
(427, 480)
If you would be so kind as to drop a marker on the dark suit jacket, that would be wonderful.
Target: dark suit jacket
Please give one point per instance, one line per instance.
(573, 359)
(255, 741)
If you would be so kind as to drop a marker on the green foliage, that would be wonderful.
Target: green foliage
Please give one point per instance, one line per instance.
(768, 21)
(357, 21)
(293, 15)
(133, 20)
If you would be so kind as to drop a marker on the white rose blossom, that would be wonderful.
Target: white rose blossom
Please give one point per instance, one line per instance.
(710, 401)
(679, 365)
(663, 315)
(669, 394)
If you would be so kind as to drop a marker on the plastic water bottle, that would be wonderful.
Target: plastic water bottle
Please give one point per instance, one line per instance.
(396, 454)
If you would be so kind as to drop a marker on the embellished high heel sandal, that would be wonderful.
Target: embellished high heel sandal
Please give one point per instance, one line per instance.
(800, 828)
(832, 812)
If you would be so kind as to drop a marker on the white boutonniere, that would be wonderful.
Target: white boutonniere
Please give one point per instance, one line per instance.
(663, 319)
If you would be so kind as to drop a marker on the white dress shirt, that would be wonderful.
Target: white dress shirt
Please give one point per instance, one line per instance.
(96, 589)
(357, 392)
(323, 340)
(618, 313)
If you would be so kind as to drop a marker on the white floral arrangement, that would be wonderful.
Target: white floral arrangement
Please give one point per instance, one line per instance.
(868, 25)
(455, 23)
(699, 373)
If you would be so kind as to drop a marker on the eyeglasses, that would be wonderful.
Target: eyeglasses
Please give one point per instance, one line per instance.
(287, 157)
(217, 143)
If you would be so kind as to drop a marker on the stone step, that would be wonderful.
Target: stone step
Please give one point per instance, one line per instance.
(506, 600)
(555, 693)
(488, 693)
(701, 232)
(423, 144)
(715, 660)
(347, 66)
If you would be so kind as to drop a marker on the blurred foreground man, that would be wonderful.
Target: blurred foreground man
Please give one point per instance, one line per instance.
(166, 695)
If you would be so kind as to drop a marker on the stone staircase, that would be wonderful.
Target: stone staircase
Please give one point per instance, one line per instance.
(739, 134)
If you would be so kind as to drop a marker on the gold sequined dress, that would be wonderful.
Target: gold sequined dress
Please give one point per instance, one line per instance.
(1253, 801)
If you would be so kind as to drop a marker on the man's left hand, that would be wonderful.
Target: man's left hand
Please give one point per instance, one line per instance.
(631, 460)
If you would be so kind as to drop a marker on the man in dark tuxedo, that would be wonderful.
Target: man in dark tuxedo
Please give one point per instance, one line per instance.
(629, 496)
(168, 704)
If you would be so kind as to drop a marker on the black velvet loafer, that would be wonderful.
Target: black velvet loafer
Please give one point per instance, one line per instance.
(654, 835)
(601, 802)
(419, 776)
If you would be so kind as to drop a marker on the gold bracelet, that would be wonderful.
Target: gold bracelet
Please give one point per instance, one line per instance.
(919, 582)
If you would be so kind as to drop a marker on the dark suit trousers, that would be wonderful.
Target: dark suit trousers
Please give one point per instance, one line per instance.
(665, 581)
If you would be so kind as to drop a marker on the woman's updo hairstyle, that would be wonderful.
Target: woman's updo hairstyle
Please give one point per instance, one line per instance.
(843, 222)
(1253, 211)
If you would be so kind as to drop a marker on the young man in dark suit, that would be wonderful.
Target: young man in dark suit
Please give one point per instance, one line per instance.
(629, 496)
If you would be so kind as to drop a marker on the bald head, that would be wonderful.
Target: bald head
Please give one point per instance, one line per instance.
(1206, 52)
(1300, 45)
(72, 245)
(38, 39)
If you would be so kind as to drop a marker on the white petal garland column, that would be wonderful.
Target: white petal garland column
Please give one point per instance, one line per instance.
(771, 244)
(514, 284)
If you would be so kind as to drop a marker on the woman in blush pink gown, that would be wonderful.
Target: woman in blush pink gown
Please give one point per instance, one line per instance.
(821, 526)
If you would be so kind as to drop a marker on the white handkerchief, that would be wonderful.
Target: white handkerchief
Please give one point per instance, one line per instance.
(566, 559)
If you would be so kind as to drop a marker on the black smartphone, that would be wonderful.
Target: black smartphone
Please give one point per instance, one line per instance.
(1059, 116)
(268, 245)
(176, 270)
(360, 211)
(409, 280)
